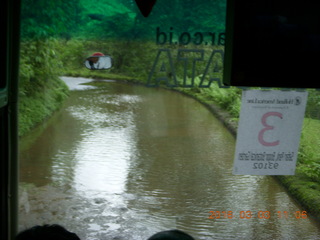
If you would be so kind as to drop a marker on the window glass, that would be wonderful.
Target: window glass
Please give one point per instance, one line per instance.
(107, 151)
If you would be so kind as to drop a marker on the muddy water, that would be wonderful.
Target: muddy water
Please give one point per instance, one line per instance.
(123, 162)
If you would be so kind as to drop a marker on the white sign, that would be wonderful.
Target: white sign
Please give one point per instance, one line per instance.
(269, 132)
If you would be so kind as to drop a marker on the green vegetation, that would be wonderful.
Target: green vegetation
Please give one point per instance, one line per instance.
(37, 107)
(57, 36)
(309, 149)
(41, 92)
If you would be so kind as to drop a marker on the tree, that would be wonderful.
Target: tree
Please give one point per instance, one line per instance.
(45, 18)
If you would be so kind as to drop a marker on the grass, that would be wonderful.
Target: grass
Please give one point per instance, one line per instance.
(310, 136)
(35, 108)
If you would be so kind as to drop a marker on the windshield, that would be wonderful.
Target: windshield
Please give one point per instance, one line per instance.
(126, 128)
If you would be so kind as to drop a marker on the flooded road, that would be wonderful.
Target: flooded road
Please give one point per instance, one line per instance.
(122, 161)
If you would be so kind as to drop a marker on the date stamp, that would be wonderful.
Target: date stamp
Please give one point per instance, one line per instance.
(248, 214)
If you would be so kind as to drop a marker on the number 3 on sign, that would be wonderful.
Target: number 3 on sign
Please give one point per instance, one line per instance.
(267, 128)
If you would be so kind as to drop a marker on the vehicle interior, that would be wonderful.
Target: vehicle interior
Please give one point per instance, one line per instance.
(120, 119)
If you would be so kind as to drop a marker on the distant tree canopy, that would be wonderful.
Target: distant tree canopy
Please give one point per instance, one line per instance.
(50, 18)
(120, 19)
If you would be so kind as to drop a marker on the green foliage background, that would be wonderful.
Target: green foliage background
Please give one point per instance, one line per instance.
(57, 35)
(118, 19)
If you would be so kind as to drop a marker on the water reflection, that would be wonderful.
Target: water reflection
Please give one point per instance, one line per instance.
(103, 175)
(125, 161)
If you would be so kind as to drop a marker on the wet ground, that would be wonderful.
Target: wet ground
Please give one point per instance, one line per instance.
(122, 162)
